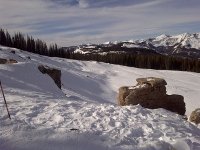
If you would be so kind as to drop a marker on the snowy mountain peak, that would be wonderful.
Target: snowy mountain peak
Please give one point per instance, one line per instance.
(107, 43)
(166, 40)
(162, 36)
(188, 40)
(184, 45)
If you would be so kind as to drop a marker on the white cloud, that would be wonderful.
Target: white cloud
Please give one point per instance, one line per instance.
(100, 3)
(72, 22)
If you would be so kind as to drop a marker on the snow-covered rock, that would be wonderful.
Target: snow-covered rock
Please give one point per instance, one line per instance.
(195, 116)
(7, 61)
(54, 73)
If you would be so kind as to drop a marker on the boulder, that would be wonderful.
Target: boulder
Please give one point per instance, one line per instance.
(151, 93)
(12, 51)
(123, 93)
(195, 116)
(55, 74)
(7, 61)
(12, 61)
(175, 103)
(3, 61)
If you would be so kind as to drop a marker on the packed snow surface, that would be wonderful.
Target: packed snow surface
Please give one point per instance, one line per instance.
(84, 115)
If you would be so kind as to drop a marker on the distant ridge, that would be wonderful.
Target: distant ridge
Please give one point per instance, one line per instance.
(184, 45)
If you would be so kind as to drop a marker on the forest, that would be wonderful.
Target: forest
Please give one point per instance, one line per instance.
(148, 61)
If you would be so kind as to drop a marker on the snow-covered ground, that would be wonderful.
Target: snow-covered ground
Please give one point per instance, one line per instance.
(84, 115)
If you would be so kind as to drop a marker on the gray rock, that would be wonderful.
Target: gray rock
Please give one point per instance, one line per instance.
(7, 61)
(55, 74)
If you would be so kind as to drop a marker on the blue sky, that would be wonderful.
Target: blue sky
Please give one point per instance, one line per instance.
(73, 22)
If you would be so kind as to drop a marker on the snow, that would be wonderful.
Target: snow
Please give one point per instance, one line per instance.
(107, 43)
(90, 47)
(84, 114)
(138, 86)
(130, 41)
(80, 51)
(181, 44)
(197, 111)
(110, 43)
(162, 36)
(184, 40)
(128, 45)
(133, 45)
(150, 79)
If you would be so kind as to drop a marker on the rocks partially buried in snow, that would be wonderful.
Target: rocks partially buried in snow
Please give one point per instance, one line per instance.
(7, 61)
(195, 116)
(55, 74)
(151, 93)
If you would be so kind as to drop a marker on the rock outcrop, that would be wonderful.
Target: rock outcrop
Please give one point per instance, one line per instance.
(7, 61)
(195, 116)
(151, 93)
(55, 74)
(12, 51)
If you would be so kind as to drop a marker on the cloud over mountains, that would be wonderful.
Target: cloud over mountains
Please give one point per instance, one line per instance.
(72, 22)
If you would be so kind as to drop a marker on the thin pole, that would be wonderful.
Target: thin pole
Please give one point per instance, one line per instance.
(5, 101)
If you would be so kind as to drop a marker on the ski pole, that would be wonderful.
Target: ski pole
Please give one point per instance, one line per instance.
(5, 101)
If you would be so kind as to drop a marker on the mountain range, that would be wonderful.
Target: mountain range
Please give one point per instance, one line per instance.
(183, 45)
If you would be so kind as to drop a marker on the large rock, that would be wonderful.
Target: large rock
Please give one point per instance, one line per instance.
(55, 74)
(195, 116)
(123, 93)
(151, 93)
(7, 61)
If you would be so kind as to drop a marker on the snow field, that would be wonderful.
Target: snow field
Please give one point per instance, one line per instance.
(132, 127)
(43, 115)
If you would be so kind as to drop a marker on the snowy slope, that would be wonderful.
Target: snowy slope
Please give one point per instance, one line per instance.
(42, 114)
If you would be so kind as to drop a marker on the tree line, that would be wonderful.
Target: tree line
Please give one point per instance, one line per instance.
(148, 61)
(27, 43)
